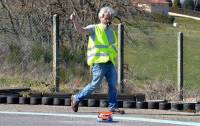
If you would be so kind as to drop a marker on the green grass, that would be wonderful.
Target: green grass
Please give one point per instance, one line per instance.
(152, 53)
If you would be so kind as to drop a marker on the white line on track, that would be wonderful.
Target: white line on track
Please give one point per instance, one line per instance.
(117, 117)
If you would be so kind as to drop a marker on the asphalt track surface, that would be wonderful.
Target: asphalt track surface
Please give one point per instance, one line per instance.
(40, 115)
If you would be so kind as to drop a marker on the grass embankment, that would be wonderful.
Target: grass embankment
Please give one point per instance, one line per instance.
(152, 52)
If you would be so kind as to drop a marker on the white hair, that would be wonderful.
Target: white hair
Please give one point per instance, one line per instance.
(108, 10)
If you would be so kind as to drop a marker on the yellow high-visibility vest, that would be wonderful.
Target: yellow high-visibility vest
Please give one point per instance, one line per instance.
(100, 50)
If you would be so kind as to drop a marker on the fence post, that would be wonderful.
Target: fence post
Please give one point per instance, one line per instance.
(56, 54)
(180, 66)
(120, 57)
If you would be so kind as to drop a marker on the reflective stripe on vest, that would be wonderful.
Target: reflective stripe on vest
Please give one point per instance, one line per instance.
(97, 54)
(101, 50)
(102, 46)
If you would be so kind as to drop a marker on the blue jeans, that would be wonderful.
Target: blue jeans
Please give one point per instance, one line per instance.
(100, 70)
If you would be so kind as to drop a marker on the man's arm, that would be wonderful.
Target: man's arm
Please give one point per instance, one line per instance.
(77, 26)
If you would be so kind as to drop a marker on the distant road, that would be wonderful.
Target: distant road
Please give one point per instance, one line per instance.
(182, 15)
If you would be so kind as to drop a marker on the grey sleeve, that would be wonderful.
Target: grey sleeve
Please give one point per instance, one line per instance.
(90, 29)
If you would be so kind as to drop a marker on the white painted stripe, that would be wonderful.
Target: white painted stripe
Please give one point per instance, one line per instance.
(127, 118)
(159, 121)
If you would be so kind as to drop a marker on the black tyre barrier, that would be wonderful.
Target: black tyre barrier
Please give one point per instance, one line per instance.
(153, 105)
(35, 100)
(47, 101)
(24, 100)
(189, 107)
(83, 103)
(103, 103)
(197, 107)
(141, 105)
(3, 99)
(164, 106)
(93, 103)
(176, 106)
(129, 104)
(58, 101)
(67, 101)
(9, 94)
(133, 97)
(12, 100)
(120, 104)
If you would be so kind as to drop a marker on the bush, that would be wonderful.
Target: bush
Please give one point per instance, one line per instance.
(15, 53)
(72, 55)
(36, 52)
(48, 55)
(163, 19)
(40, 53)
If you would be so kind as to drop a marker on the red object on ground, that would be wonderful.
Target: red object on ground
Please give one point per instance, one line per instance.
(104, 117)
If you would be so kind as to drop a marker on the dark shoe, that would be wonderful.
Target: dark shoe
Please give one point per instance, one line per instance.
(117, 110)
(74, 104)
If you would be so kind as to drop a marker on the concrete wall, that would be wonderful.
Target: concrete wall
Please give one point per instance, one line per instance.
(160, 8)
(155, 8)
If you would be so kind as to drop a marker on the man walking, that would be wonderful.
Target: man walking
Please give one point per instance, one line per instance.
(101, 54)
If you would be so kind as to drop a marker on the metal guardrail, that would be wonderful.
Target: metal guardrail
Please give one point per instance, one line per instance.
(135, 97)
(183, 15)
(185, 11)
(13, 90)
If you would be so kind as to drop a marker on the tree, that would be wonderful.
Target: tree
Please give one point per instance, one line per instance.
(177, 3)
(197, 5)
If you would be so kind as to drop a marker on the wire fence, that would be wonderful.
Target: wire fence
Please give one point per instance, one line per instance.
(151, 57)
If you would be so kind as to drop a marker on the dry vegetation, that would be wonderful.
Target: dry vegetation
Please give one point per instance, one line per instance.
(26, 36)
